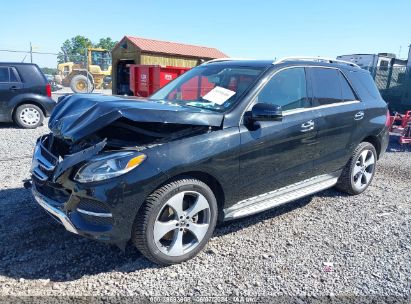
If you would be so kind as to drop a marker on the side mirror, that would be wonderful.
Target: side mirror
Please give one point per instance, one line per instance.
(266, 112)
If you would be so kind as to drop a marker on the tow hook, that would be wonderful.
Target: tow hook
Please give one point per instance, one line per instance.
(27, 184)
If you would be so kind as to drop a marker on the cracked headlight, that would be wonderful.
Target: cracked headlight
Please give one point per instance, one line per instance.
(109, 165)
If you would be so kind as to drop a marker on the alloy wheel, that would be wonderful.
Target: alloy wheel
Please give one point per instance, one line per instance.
(182, 223)
(363, 170)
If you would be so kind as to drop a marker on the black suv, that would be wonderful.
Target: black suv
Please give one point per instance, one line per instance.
(225, 140)
(25, 94)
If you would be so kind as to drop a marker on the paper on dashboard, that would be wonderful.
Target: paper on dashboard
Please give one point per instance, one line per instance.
(218, 95)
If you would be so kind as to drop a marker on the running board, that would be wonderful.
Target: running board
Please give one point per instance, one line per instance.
(280, 196)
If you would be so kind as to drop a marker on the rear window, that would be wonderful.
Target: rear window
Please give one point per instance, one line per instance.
(4, 74)
(369, 84)
(30, 74)
(364, 84)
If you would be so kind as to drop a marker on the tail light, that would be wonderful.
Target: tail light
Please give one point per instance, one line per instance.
(388, 119)
(48, 90)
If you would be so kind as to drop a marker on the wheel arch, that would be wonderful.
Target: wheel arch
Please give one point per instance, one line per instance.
(375, 142)
(210, 180)
(27, 101)
(83, 72)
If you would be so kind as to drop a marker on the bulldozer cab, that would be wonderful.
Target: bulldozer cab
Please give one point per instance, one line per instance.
(99, 58)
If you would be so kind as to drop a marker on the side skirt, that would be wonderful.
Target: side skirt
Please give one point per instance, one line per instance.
(280, 196)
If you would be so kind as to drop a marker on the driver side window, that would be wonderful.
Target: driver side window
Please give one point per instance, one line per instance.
(287, 89)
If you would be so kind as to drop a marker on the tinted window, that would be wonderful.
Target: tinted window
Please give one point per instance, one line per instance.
(212, 86)
(4, 74)
(286, 89)
(326, 86)
(14, 77)
(364, 84)
(346, 90)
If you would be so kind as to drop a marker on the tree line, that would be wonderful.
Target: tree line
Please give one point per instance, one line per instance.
(75, 49)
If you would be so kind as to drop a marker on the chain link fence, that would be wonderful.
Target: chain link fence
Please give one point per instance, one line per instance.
(394, 84)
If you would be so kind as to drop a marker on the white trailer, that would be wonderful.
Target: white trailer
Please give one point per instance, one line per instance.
(368, 61)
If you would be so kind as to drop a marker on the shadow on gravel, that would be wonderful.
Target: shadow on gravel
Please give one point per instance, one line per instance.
(8, 125)
(235, 225)
(395, 146)
(34, 246)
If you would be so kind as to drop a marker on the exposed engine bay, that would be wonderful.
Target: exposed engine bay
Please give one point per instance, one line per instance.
(83, 126)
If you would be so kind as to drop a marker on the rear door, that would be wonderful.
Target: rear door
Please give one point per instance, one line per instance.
(10, 85)
(4, 92)
(278, 153)
(340, 113)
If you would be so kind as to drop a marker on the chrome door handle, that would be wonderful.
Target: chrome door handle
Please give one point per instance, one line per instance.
(307, 126)
(359, 115)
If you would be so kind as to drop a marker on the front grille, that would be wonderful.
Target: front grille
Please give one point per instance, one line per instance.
(44, 162)
(100, 214)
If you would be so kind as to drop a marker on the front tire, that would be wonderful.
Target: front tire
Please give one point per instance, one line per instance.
(81, 84)
(175, 222)
(359, 171)
(28, 116)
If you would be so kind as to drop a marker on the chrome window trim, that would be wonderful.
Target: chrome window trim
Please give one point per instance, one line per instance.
(331, 105)
(300, 110)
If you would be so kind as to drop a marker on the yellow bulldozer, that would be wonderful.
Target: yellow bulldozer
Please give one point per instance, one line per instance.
(86, 75)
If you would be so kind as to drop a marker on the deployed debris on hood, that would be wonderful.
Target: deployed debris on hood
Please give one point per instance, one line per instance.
(79, 116)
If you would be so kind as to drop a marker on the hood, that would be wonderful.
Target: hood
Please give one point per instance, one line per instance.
(80, 115)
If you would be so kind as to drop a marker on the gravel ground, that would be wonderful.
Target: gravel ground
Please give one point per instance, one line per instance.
(279, 252)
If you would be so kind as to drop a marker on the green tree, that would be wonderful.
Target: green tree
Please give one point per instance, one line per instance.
(74, 49)
(51, 71)
(106, 43)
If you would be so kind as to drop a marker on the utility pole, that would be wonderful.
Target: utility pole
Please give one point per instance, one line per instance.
(31, 53)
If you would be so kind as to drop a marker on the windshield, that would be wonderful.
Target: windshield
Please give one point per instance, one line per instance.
(101, 58)
(213, 87)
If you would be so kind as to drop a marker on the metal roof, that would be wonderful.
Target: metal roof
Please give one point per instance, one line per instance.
(174, 48)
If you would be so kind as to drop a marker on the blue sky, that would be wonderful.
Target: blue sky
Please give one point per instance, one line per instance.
(252, 29)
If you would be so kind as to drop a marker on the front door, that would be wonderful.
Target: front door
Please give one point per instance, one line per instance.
(278, 153)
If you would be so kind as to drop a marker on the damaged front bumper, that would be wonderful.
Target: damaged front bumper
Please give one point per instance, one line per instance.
(51, 207)
(84, 221)
(103, 210)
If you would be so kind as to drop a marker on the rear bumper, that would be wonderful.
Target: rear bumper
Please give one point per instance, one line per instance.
(384, 138)
(48, 104)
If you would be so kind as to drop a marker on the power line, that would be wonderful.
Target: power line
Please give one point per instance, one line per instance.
(28, 52)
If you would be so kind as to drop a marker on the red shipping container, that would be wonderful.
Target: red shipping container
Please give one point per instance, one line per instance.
(147, 79)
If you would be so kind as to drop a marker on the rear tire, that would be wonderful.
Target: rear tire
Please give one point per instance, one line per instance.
(359, 171)
(175, 222)
(28, 116)
(81, 84)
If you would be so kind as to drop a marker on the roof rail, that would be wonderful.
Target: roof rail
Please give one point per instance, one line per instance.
(226, 59)
(317, 59)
